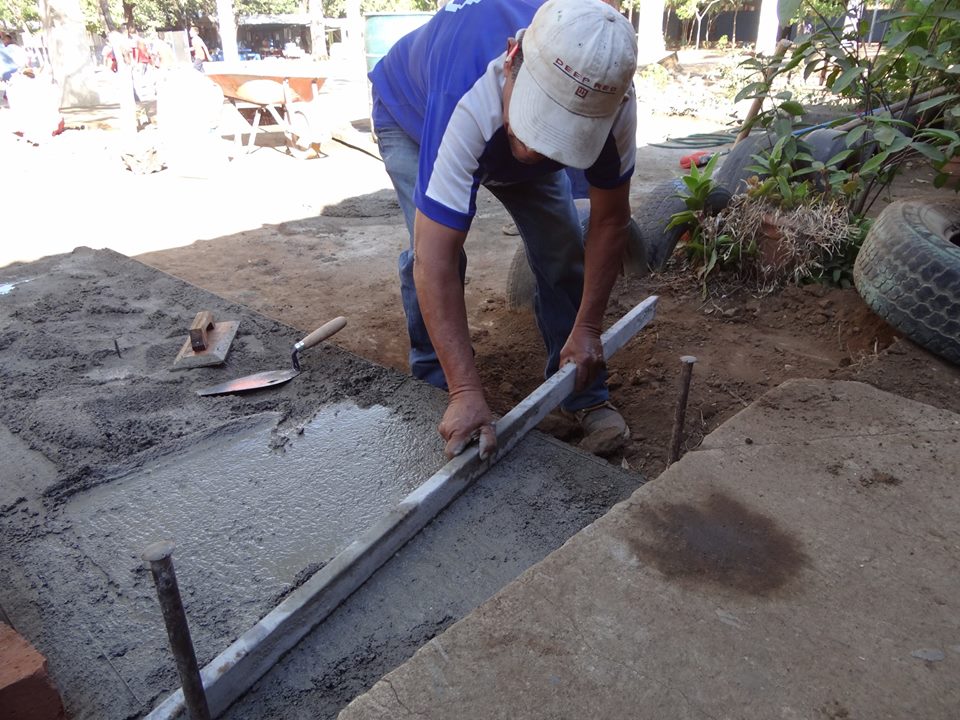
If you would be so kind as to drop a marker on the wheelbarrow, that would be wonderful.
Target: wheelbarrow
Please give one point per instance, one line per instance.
(288, 90)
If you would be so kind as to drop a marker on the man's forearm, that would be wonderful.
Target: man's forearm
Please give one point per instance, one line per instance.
(437, 277)
(604, 258)
(605, 244)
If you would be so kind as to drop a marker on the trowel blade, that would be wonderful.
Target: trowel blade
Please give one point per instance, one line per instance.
(268, 378)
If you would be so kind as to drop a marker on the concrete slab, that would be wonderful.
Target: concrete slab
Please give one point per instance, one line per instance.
(803, 563)
(498, 528)
(113, 451)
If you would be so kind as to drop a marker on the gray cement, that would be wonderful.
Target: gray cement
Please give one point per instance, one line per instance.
(231, 674)
(801, 564)
(104, 453)
(520, 511)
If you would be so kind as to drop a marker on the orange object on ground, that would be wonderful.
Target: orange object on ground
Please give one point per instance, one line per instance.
(700, 158)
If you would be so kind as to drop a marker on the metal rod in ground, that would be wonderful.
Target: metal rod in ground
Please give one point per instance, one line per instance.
(161, 565)
(676, 437)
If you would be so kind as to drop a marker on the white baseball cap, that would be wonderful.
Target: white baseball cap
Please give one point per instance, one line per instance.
(579, 58)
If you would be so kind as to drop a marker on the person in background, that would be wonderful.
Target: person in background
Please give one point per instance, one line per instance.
(161, 54)
(198, 49)
(16, 53)
(9, 66)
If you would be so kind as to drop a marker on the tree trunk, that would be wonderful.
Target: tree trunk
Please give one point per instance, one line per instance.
(228, 30)
(318, 31)
(733, 32)
(649, 34)
(107, 17)
(768, 28)
(354, 37)
(128, 14)
(66, 36)
(851, 20)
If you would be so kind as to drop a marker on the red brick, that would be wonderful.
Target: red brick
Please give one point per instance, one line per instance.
(26, 691)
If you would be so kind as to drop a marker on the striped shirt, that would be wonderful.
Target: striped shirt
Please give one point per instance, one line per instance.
(442, 84)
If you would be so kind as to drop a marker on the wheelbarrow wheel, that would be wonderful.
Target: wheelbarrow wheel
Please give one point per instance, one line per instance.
(298, 134)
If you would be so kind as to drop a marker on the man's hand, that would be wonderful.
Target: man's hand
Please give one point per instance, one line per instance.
(436, 274)
(584, 348)
(467, 418)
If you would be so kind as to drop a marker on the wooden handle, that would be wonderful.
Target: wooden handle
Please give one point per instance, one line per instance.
(198, 330)
(322, 333)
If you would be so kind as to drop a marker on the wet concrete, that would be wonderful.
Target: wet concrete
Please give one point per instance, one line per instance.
(106, 451)
(520, 511)
(243, 512)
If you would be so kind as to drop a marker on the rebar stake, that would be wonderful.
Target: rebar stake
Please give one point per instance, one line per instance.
(676, 437)
(159, 555)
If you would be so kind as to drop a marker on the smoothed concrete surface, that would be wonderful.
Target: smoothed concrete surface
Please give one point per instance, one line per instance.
(802, 564)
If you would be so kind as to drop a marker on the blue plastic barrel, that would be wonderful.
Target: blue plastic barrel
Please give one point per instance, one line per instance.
(382, 30)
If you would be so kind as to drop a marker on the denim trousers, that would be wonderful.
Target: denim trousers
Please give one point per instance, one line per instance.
(550, 227)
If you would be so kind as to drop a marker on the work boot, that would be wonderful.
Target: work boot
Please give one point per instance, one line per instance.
(604, 429)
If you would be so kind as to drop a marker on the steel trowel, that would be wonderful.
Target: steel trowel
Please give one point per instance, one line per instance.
(271, 378)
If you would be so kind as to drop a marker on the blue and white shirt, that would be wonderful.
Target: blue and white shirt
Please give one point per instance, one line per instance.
(442, 84)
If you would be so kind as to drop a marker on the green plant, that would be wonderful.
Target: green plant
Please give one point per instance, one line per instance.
(704, 253)
(905, 90)
(782, 172)
(783, 228)
(904, 96)
(837, 265)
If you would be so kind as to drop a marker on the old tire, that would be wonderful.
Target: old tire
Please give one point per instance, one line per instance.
(732, 173)
(908, 272)
(654, 213)
(822, 144)
(522, 287)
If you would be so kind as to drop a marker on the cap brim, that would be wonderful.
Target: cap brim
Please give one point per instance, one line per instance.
(553, 131)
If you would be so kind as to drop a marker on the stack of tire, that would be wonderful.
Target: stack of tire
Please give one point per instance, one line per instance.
(663, 201)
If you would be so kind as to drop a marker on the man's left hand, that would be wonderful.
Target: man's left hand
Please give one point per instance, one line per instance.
(584, 348)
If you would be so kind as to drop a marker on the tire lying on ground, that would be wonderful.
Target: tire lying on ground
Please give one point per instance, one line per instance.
(521, 285)
(908, 272)
(649, 244)
(823, 144)
(732, 173)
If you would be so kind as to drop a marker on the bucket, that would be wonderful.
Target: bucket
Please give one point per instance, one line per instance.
(382, 30)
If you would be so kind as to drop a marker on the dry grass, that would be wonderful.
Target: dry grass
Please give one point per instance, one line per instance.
(768, 246)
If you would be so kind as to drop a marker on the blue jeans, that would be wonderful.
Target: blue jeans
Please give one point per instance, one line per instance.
(548, 223)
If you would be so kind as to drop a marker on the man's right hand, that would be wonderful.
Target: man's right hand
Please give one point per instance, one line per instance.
(467, 418)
